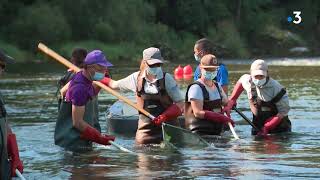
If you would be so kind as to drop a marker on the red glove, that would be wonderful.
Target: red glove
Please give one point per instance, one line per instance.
(13, 153)
(171, 112)
(105, 81)
(94, 135)
(217, 117)
(237, 90)
(270, 124)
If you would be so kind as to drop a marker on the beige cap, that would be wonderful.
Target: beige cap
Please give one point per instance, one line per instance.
(209, 61)
(259, 67)
(152, 55)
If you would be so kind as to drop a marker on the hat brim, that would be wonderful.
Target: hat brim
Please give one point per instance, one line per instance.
(154, 61)
(105, 64)
(6, 59)
(258, 72)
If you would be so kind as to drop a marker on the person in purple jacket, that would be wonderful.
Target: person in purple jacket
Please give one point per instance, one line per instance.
(78, 125)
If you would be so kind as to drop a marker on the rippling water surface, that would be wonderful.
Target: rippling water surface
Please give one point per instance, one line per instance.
(29, 91)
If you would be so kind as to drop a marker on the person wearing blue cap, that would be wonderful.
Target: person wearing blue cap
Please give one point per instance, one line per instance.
(78, 125)
(9, 153)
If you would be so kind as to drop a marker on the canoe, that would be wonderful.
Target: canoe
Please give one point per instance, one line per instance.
(122, 119)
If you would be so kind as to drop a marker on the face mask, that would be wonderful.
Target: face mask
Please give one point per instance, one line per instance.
(196, 57)
(156, 71)
(209, 75)
(98, 76)
(258, 82)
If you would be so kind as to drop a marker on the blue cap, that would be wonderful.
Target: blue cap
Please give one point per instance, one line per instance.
(97, 57)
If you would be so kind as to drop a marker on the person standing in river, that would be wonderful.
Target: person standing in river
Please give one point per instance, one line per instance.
(10, 160)
(77, 125)
(268, 100)
(203, 47)
(77, 57)
(204, 101)
(156, 92)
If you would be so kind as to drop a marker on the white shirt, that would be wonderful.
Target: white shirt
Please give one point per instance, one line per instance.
(195, 93)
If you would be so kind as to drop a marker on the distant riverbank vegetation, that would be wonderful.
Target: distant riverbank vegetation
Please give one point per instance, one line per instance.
(122, 29)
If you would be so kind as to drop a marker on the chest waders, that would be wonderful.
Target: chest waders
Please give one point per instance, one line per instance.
(67, 136)
(203, 126)
(4, 164)
(147, 132)
(265, 110)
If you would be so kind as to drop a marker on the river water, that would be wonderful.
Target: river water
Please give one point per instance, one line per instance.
(29, 91)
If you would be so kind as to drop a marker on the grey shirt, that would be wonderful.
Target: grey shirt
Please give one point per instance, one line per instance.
(267, 93)
(130, 83)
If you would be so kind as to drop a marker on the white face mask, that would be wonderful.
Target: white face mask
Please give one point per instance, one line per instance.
(156, 71)
(258, 82)
(209, 75)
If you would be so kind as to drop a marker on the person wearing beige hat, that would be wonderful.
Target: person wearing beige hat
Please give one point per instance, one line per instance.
(156, 92)
(204, 101)
(268, 99)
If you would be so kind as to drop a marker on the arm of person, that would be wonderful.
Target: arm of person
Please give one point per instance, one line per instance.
(174, 91)
(77, 118)
(64, 89)
(13, 152)
(87, 132)
(283, 106)
(195, 97)
(128, 83)
(197, 108)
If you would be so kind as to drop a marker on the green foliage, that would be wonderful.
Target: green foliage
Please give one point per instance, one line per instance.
(18, 54)
(238, 28)
(113, 52)
(227, 35)
(39, 22)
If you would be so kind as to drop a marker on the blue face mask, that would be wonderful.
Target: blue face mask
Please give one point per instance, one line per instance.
(196, 57)
(209, 75)
(98, 76)
(156, 71)
(258, 82)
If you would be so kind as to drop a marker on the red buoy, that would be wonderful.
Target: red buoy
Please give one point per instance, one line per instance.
(178, 72)
(187, 70)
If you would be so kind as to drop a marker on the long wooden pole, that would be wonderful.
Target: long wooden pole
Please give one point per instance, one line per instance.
(62, 60)
(65, 62)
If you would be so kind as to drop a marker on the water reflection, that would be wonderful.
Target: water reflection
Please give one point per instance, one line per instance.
(295, 155)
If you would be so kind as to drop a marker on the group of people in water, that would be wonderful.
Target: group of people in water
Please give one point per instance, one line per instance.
(206, 105)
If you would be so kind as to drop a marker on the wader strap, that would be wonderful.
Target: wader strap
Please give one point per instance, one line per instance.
(203, 88)
(278, 96)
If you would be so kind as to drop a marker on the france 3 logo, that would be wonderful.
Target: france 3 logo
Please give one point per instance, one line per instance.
(297, 17)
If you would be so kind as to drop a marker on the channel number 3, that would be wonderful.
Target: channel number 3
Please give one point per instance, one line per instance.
(297, 16)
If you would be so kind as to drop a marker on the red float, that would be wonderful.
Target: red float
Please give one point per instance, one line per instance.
(187, 70)
(178, 72)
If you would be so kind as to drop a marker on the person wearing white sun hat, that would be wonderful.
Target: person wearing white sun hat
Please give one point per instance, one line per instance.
(268, 99)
